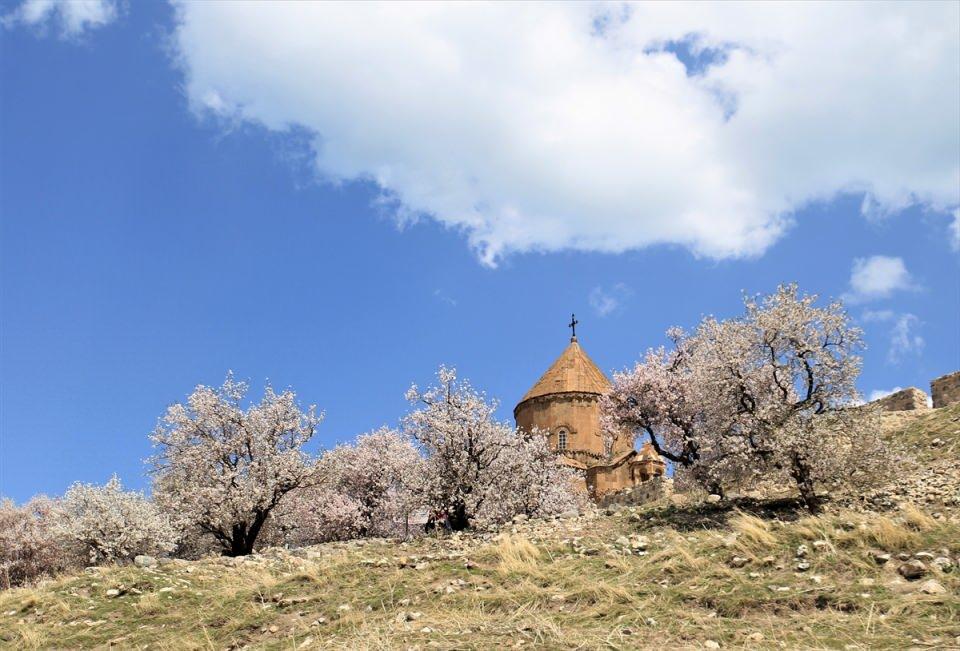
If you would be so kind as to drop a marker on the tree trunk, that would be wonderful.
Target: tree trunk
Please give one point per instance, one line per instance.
(457, 517)
(808, 494)
(238, 541)
(242, 538)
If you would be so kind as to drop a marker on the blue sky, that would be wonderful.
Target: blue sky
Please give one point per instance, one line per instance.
(156, 234)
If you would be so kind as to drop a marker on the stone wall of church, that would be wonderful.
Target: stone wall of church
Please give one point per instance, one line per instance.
(578, 413)
(604, 479)
(945, 390)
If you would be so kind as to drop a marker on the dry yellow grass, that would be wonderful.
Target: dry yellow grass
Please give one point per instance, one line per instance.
(530, 587)
(753, 531)
(516, 554)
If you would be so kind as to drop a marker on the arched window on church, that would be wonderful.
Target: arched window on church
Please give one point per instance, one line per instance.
(561, 439)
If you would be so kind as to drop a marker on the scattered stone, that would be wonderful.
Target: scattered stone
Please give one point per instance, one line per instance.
(623, 541)
(881, 557)
(711, 644)
(943, 563)
(803, 566)
(342, 608)
(113, 592)
(924, 556)
(713, 499)
(738, 561)
(820, 545)
(932, 587)
(802, 551)
(768, 560)
(651, 622)
(912, 570)
(274, 629)
(756, 636)
(143, 560)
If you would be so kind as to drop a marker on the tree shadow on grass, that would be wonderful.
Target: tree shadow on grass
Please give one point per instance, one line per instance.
(715, 516)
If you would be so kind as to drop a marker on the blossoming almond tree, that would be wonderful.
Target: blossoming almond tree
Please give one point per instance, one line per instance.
(107, 523)
(470, 474)
(223, 469)
(29, 545)
(771, 394)
(531, 481)
(377, 472)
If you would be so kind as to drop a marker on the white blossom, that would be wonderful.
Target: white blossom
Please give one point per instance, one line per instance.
(29, 545)
(107, 523)
(769, 395)
(478, 469)
(365, 488)
(222, 469)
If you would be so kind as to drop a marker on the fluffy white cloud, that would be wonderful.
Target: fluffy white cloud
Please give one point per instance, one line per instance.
(878, 277)
(607, 300)
(73, 17)
(574, 126)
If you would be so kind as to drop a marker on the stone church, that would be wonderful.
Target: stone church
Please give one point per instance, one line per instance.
(565, 403)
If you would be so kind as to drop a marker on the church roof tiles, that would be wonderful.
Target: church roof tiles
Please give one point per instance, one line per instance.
(572, 372)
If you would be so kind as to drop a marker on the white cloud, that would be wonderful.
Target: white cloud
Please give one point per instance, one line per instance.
(554, 126)
(606, 301)
(904, 340)
(877, 277)
(873, 316)
(72, 17)
(442, 296)
(955, 231)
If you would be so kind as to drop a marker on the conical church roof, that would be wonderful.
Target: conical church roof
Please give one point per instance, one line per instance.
(573, 372)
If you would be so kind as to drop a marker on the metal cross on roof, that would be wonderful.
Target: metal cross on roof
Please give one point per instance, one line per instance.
(573, 326)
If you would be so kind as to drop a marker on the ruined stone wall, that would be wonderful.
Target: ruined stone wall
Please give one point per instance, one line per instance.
(604, 479)
(905, 400)
(649, 491)
(945, 390)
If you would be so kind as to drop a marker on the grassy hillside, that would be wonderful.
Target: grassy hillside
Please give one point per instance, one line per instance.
(929, 434)
(564, 584)
(664, 576)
